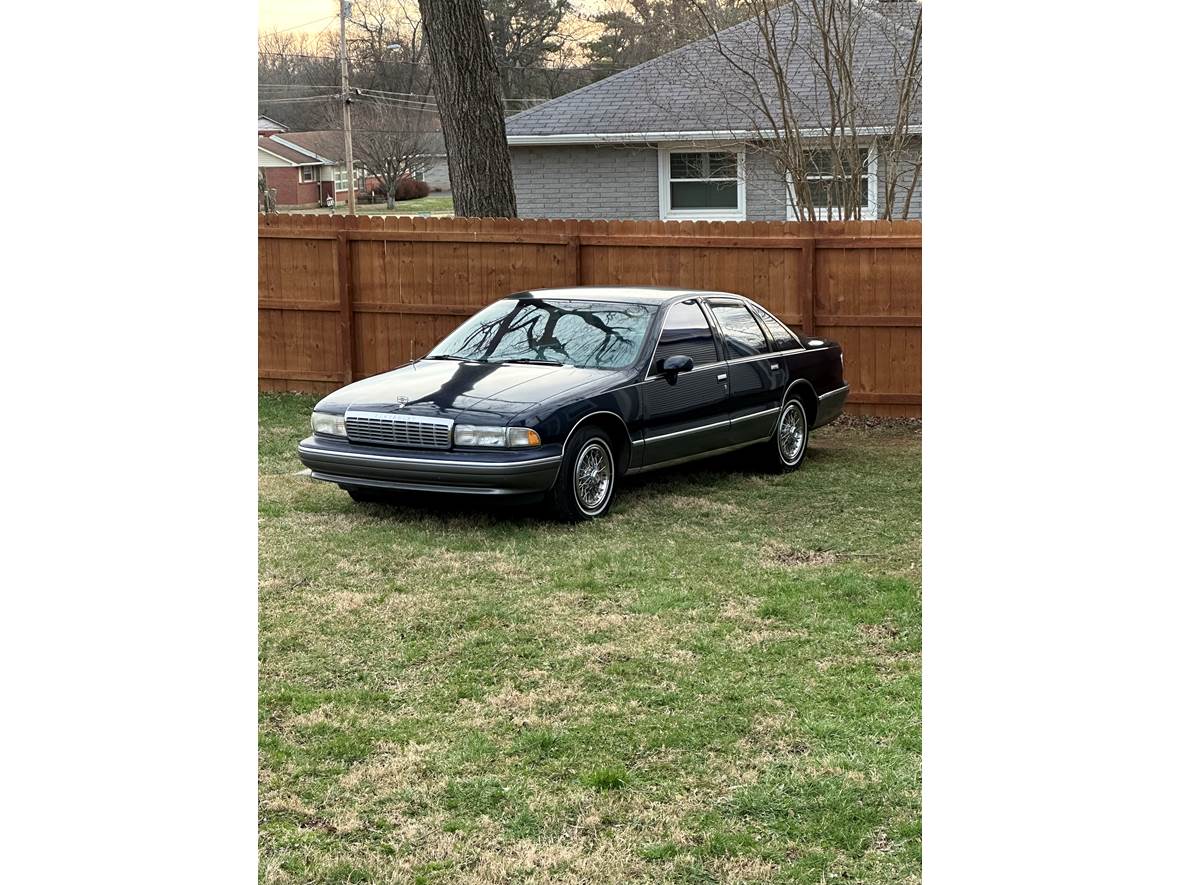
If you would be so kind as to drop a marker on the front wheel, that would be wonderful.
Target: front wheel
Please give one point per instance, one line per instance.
(788, 445)
(585, 484)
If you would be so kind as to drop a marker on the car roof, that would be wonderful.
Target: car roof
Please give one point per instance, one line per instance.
(643, 294)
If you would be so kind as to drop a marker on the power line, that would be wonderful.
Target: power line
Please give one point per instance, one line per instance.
(294, 86)
(426, 64)
(420, 97)
(305, 98)
(304, 25)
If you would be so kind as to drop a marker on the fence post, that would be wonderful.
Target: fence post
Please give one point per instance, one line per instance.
(573, 253)
(807, 285)
(344, 294)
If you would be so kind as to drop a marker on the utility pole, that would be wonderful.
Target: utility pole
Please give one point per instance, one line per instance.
(346, 104)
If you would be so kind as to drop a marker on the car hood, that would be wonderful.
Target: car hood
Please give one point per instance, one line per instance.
(482, 392)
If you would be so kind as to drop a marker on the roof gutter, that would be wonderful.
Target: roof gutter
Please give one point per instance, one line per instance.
(695, 135)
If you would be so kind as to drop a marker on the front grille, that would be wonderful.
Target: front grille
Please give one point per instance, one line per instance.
(392, 429)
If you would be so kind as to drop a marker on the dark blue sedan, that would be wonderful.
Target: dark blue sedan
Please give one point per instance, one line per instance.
(556, 393)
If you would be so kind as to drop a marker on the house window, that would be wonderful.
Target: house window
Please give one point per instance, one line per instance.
(832, 176)
(307, 173)
(341, 177)
(702, 184)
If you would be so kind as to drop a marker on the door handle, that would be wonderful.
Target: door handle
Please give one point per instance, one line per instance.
(774, 367)
(722, 376)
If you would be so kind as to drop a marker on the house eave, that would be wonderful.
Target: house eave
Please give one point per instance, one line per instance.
(694, 135)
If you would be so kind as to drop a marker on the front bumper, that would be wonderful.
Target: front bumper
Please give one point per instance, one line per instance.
(509, 472)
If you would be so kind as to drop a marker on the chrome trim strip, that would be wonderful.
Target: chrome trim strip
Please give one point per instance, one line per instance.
(662, 464)
(398, 459)
(397, 415)
(761, 414)
(688, 431)
(824, 396)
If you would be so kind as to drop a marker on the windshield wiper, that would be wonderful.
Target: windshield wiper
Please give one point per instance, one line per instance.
(533, 362)
(451, 356)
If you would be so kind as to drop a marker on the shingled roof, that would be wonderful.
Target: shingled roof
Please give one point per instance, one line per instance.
(286, 152)
(696, 89)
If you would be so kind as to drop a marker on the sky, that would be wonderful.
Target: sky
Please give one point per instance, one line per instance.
(310, 16)
(313, 16)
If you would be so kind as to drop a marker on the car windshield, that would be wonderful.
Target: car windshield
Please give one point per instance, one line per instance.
(586, 334)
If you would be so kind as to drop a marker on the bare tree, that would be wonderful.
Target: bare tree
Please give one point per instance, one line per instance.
(471, 107)
(298, 79)
(391, 141)
(266, 196)
(526, 35)
(817, 86)
(629, 32)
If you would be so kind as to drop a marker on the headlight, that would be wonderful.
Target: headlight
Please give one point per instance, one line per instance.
(333, 425)
(500, 437)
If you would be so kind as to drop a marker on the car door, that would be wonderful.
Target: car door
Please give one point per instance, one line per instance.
(685, 415)
(756, 374)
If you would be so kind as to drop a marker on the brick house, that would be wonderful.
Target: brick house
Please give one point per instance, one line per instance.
(677, 138)
(307, 169)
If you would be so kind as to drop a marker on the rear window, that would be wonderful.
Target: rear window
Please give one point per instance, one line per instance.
(782, 338)
(743, 336)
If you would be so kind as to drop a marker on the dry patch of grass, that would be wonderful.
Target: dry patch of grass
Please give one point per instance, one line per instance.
(782, 555)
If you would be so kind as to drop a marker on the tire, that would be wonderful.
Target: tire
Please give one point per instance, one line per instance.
(787, 446)
(363, 495)
(587, 452)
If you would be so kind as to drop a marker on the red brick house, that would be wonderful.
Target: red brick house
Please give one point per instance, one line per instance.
(307, 169)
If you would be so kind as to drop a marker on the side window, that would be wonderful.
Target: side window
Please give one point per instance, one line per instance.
(781, 338)
(743, 336)
(686, 332)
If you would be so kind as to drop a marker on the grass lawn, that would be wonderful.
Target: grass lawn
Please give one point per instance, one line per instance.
(433, 204)
(718, 683)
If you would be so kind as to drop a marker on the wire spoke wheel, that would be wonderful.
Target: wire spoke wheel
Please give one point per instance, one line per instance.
(792, 433)
(593, 475)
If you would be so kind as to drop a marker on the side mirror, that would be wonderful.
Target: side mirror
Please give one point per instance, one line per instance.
(673, 365)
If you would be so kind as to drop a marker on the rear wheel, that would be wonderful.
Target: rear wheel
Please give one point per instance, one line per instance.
(585, 484)
(788, 446)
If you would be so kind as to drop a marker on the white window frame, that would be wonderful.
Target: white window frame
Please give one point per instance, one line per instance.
(868, 212)
(667, 213)
(311, 180)
(340, 173)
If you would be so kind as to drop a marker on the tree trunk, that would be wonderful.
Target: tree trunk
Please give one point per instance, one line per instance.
(467, 90)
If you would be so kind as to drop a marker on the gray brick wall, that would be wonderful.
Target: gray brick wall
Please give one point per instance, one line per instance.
(766, 192)
(586, 181)
(616, 182)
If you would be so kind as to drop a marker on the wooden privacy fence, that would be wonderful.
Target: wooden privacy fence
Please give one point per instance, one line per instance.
(345, 297)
